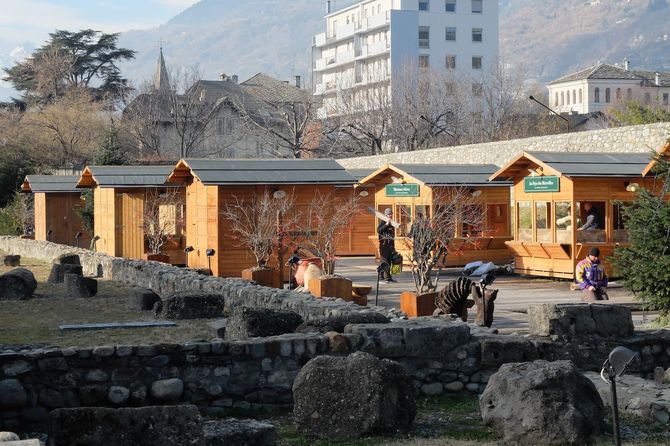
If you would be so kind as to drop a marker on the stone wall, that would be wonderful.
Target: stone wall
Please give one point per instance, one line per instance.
(640, 138)
(166, 279)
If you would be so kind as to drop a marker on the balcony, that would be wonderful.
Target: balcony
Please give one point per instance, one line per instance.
(372, 22)
(327, 63)
(373, 50)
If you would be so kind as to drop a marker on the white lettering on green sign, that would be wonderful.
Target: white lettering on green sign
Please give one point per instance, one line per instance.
(402, 190)
(541, 184)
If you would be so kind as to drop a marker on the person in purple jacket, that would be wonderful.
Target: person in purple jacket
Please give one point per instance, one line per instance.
(591, 277)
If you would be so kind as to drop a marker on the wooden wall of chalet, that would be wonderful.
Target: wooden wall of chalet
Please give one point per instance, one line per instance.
(354, 241)
(58, 212)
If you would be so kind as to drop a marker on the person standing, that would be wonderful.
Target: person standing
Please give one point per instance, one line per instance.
(386, 235)
(593, 219)
(591, 277)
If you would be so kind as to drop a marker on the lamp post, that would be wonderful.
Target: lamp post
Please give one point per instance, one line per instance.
(187, 250)
(567, 121)
(615, 365)
(76, 238)
(209, 253)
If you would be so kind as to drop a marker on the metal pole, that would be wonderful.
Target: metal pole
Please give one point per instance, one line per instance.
(567, 121)
(377, 291)
(615, 407)
(280, 250)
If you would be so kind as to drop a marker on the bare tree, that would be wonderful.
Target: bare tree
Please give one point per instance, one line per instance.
(325, 220)
(145, 118)
(253, 223)
(431, 236)
(162, 216)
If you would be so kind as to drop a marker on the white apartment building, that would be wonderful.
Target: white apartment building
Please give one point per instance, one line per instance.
(366, 43)
(602, 86)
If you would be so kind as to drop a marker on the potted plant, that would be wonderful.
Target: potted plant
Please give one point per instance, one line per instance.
(326, 220)
(161, 220)
(431, 240)
(259, 224)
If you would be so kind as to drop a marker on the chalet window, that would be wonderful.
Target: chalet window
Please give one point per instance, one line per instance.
(596, 95)
(450, 5)
(543, 221)
(476, 6)
(404, 217)
(595, 217)
(525, 221)
(476, 34)
(476, 62)
(564, 223)
(619, 231)
(450, 33)
(469, 215)
(167, 218)
(424, 36)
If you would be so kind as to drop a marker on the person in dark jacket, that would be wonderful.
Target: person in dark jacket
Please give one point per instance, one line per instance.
(593, 219)
(386, 234)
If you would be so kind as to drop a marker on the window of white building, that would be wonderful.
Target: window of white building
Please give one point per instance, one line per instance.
(618, 94)
(556, 99)
(574, 97)
(477, 6)
(451, 61)
(450, 33)
(629, 94)
(424, 61)
(562, 98)
(581, 100)
(450, 5)
(476, 62)
(665, 98)
(596, 95)
(424, 5)
(476, 34)
(567, 94)
(607, 95)
(424, 36)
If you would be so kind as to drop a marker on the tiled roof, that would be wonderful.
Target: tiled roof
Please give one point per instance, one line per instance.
(595, 164)
(606, 71)
(51, 183)
(129, 176)
(273, 90)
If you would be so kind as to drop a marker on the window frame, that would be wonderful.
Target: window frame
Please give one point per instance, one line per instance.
(477, 32)
(450, 2)
(477, 2)
(426, 3)
(448, 33)
(480, 60)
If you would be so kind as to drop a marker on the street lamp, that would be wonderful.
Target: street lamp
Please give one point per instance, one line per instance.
(567, 121)
(209, 253)
(187, 250)
(616, 363)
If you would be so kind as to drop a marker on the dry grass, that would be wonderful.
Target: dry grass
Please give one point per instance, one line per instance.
(36, 321)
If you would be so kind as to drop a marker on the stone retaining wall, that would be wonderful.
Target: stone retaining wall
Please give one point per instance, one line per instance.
(638, 138)
(166, 279)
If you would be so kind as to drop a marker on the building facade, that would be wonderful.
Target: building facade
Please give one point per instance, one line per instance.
(597, 88)
(367, 43)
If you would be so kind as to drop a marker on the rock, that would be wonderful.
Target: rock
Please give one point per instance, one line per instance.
(118, 395)
(12, 395)
(141, 299)
(659, 373)
(143, 426)
(339, 398)
(8, 436)
(337, 323)
(337, 341)
(432, 389)
(666, 377)
(18, 283)
(578, 320)
(247, 322)
(167, 389)
(239, 432)
(455, 386)
(11, 260)
(218, 327)
(67, 259)
(190, 305)
(79, 286)
(540, 402)
(58, 271)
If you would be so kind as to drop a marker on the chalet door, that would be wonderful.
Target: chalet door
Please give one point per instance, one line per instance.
(129, 225)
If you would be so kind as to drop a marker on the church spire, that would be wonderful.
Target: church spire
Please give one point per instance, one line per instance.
(161, 79)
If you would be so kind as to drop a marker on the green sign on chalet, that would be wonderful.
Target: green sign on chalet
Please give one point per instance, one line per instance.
(541, 184)
(402, 190)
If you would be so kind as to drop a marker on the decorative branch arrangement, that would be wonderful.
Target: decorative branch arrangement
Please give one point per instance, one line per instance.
(163, 217)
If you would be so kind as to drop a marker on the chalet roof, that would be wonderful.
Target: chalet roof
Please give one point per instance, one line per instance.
(124, 176)
(443, 174)
(266, 171)
(606, 71)
(664, 152)
(271, 90)
(577, 164)
(50, 183)
(359, 174)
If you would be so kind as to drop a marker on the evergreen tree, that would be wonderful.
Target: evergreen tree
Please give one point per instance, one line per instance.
(645, 264)
(111, 152)
(636, 113)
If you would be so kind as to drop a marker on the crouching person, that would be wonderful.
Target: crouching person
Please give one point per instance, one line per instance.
(591, 277)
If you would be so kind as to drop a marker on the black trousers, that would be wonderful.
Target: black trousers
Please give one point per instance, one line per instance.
(385, 258)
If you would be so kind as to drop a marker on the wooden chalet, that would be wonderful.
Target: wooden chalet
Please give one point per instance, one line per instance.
(413, 189)
(552, 192)
(56, 202)
(354, 241)
(211, 183)
(119, 195)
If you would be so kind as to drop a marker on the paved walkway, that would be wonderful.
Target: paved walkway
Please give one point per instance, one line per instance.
(515, 295)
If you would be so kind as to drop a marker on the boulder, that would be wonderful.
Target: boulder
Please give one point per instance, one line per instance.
(540, 402)
(8, 436)
(142, 299)
(246, 322)
(339, 398)
(12, 395)
(190, 305)
(69, 258)
(142, 426)
(167, 389)
(218, 327)
(18, 283)
(578, 320)
(239, 432)
(337, 323)
(79, 286)
(11, 260)
(58, 271)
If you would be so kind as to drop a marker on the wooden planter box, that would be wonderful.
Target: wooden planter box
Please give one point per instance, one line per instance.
(157, 257)
(265, 277)
(417, 305)
(331, 287)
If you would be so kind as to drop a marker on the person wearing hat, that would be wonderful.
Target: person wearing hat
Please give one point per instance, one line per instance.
(591, 277)
(386, 234)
